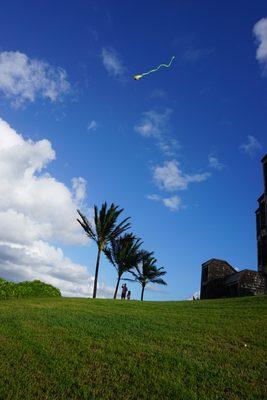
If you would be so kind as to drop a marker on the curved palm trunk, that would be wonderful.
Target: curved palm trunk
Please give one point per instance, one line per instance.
(117, 287)
(142, 293)
(96, 273)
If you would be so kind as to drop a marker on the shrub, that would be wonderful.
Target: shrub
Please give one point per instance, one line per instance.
(27, 289)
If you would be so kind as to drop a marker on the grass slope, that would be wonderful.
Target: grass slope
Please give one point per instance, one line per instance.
(84, 349)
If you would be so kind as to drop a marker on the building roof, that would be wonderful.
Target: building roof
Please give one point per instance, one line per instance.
(217, 259)
(237, 276)
(233, 278)
(260, 198)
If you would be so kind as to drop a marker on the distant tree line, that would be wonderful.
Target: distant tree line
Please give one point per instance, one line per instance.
(25, 289)
(123, 250)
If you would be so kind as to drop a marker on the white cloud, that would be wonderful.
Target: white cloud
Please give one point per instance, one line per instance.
(251, 146)
(154, 124)
(23, 79)
(112, 62)
(170, 177)
(40, 260)
(260, 31)
(35, 210)
(26, 189)
(215, 163)
(169, 147)
(79, 190)
(21, 228)
(173, 203)
(153, 197)
(92, 126)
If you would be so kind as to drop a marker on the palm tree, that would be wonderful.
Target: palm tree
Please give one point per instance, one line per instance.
(147, 272)
(124, 254)
(103, 230)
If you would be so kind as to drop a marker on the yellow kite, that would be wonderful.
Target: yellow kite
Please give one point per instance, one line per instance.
(137, 77)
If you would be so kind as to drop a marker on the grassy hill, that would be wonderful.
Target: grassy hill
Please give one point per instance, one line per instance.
(103, 349)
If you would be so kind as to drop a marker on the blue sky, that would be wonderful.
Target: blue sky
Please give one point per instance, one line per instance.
(179, 150)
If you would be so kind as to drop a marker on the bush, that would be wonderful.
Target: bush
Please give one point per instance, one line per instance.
(27, 289)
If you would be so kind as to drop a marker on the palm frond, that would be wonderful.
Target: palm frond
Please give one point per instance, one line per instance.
(136, 275)
(87, 226)
(123, 252)
(159, 281)
(109, 255)
(146, 271)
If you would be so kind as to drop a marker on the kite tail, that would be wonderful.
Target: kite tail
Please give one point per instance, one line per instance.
(161, 65)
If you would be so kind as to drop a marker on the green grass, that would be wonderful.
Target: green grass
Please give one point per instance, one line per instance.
(103, 349)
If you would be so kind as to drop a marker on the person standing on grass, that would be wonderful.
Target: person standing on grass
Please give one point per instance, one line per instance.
(124, 291)
(129, 295)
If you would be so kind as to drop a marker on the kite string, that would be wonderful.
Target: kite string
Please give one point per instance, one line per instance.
(161, 65)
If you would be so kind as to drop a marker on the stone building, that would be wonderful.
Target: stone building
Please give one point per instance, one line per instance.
(261, 218)
(220, 279)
